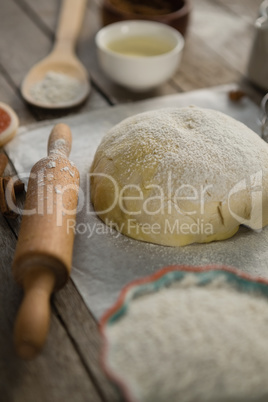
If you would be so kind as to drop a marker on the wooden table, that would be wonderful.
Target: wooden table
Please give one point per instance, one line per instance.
(216, 52)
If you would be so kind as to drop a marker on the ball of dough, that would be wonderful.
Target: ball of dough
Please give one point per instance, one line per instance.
(181, 175)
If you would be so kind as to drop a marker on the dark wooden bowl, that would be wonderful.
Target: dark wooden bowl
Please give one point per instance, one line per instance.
(178, 19)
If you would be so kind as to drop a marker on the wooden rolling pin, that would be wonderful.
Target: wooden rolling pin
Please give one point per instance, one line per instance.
(43, 255)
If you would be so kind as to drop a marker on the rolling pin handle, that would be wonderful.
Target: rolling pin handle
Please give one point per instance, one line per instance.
(32, 323)
(60, 140)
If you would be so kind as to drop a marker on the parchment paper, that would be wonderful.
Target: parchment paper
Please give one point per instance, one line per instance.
(104, 261)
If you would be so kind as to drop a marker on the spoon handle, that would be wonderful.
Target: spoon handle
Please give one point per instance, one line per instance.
(70, 21)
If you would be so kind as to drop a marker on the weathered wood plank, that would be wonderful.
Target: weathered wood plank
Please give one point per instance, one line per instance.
(246, 9)
(201, 67)
(223, 32)
(56, 375)
(43, 13)
(22, 44)
(217, 47)
(83, 329)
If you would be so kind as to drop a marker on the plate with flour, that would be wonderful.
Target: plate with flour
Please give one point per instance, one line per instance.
(189, 334)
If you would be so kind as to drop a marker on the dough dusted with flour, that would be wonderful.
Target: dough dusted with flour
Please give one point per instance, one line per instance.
(181, 175)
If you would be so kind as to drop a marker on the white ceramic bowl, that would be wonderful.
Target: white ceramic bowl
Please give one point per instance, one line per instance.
(139, 71)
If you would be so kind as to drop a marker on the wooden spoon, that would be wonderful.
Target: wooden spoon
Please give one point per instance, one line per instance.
(62, 59)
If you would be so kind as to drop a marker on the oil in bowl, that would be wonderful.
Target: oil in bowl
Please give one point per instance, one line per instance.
(139, 55)
(140, 46)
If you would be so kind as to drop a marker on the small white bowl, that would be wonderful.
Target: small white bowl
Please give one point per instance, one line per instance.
(134, 68)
